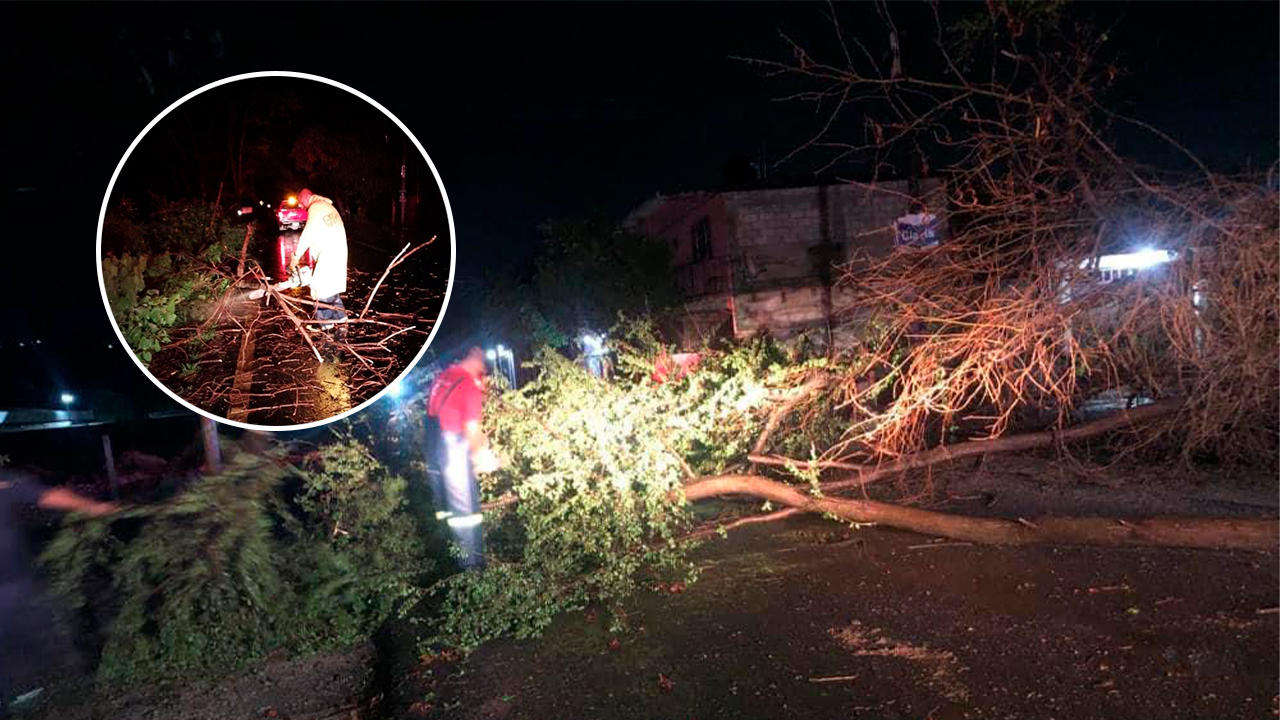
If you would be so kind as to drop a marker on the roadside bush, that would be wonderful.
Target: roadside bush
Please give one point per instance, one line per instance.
(262, 557)
(158, 273)
(143, 314)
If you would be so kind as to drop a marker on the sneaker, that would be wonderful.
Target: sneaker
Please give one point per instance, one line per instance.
(27, 700)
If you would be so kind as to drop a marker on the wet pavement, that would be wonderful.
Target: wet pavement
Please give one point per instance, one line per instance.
(808, 619)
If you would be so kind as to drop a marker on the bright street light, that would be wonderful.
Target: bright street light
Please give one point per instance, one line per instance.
(68, 398)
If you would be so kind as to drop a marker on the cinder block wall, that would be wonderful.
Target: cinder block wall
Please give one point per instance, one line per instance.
(771, 235)
(774, 230)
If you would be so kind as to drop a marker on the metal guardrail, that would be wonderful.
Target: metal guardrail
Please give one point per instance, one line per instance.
(30, 420)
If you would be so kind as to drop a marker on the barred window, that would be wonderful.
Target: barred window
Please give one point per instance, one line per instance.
(702, 240)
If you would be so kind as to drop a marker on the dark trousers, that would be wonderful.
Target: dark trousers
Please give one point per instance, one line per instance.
(327, 314)
(457, 497)
(34, 647)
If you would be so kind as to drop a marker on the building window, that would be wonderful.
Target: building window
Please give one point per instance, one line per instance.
(702, 240)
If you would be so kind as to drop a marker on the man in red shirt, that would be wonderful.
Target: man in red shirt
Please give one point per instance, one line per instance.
(456, 401)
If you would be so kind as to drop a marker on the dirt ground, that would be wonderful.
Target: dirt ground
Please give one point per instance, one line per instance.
(321, 687)
(806, 618)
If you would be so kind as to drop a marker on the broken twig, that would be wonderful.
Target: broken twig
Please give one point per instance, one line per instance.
(834, 678)
(938, 544)
(394, 262)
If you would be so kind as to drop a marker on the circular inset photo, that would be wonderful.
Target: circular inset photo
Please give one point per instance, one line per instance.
(275, 250)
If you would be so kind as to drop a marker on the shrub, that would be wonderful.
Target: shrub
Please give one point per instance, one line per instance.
(263, 556)
(597, 468)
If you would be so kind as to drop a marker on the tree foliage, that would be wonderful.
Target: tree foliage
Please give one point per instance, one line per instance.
(597, 469)
(156, 272)
(586, 273)
(261, 557)
(357, 170)
(1007, 326)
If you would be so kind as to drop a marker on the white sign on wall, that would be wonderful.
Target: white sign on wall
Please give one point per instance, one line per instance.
(919, 230)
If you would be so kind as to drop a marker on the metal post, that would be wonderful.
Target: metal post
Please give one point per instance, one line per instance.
(111, 465)
(404, 162)
(212, 450)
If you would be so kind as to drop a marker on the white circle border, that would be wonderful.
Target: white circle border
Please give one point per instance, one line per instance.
(453, 249)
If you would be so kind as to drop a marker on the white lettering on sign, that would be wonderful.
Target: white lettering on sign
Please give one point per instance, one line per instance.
(919, 230)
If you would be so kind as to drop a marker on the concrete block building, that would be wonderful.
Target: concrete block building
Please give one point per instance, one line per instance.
(766, 260)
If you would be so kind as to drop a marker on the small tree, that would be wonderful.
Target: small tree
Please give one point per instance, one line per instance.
(587, 273)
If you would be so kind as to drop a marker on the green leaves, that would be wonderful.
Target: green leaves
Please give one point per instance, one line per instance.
(587, 272)
(260, 557)
(598, 469)
(143, 314)
(156, 284)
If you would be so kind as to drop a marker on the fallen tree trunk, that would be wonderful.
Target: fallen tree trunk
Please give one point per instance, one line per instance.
(1212, 533)
(865, 475)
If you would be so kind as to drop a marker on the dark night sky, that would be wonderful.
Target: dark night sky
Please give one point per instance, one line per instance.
(528, 111)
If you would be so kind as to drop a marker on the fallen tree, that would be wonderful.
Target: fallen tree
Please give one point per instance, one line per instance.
(1210, 533)
(865, 475)
(995, 341)
(1015, 310)
(601, 490)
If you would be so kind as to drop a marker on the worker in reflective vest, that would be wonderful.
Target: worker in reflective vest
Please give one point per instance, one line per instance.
(456, 401)
(325, 237)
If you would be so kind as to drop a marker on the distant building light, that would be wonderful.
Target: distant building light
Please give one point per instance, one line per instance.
(1140, 260)
(68, 398)
(39, 342)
